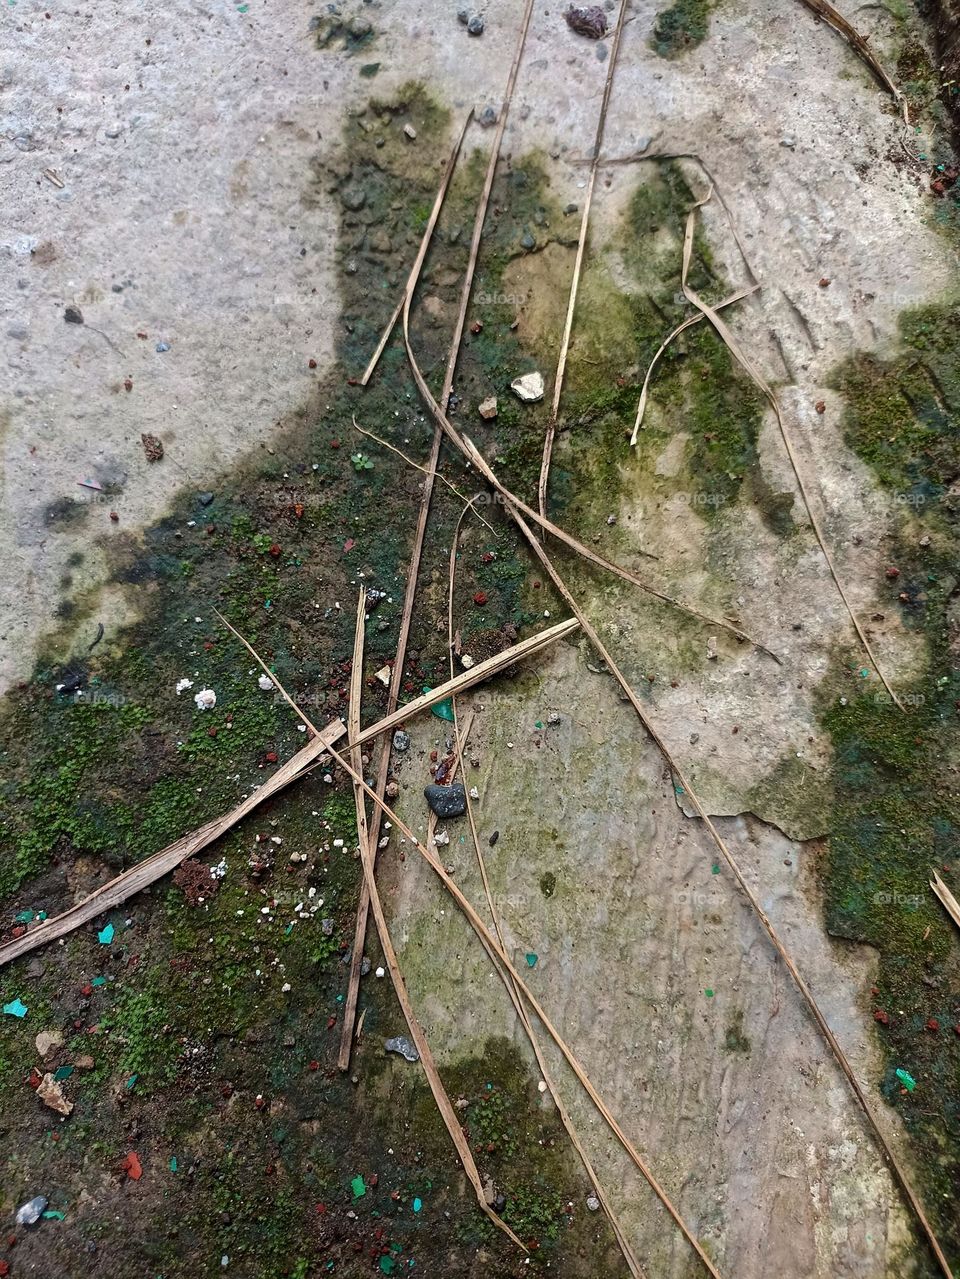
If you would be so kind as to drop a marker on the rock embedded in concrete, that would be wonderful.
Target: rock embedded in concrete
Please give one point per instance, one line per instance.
(447, 801)
(403, 1046)
(528, 388)
(353, 198)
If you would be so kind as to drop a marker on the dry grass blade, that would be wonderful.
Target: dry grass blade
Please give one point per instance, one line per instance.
(447, 1112)
(950, 903)
(839, 23)
(734, 867)
(393, 695)
(738, 353)
(421, 254)
(688, 323)
(578, 264)
(460, 736)
(147, 872)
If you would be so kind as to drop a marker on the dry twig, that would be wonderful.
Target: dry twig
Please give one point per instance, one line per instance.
(447, 1113)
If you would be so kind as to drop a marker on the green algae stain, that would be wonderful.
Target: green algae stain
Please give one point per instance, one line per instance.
(681, 27)
(896, 817)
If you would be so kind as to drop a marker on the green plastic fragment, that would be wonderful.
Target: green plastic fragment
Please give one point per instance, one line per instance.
(359, 1187)
(906, 1079)
(714, 869)
(864, 672)
(709, 993)
(63, 1073)
(387, 1264)
(16, 1008)
(132, 1080)
(417, 1205)
(98, 981)
(173, 1163)
(444, 710)
(52, 1214)
(25, 917)
(369, 69)
(105, 935)
(531, 959)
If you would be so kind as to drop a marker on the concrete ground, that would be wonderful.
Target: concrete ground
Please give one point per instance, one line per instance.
(152, 175)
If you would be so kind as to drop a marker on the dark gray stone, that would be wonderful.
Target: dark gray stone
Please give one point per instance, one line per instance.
(447, 801)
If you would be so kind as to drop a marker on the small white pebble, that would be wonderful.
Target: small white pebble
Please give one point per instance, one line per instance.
(381, 972)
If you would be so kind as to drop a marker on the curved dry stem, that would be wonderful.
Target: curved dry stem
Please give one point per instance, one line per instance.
(688, 323)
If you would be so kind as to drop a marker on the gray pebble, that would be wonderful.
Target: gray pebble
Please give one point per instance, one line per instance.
(404, 1046)
(475, 25)
(353, 197)
(327, 927)
(447, 801)
(401, 741)
(487, 117)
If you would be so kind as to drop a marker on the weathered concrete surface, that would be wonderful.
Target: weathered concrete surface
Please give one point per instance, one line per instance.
(733, 1097)
(184, 144)
(186, 190)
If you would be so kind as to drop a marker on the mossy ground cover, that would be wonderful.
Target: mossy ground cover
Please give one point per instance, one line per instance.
(681, 26)
(192, 1008)
(214, 1028)
(896, 814)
